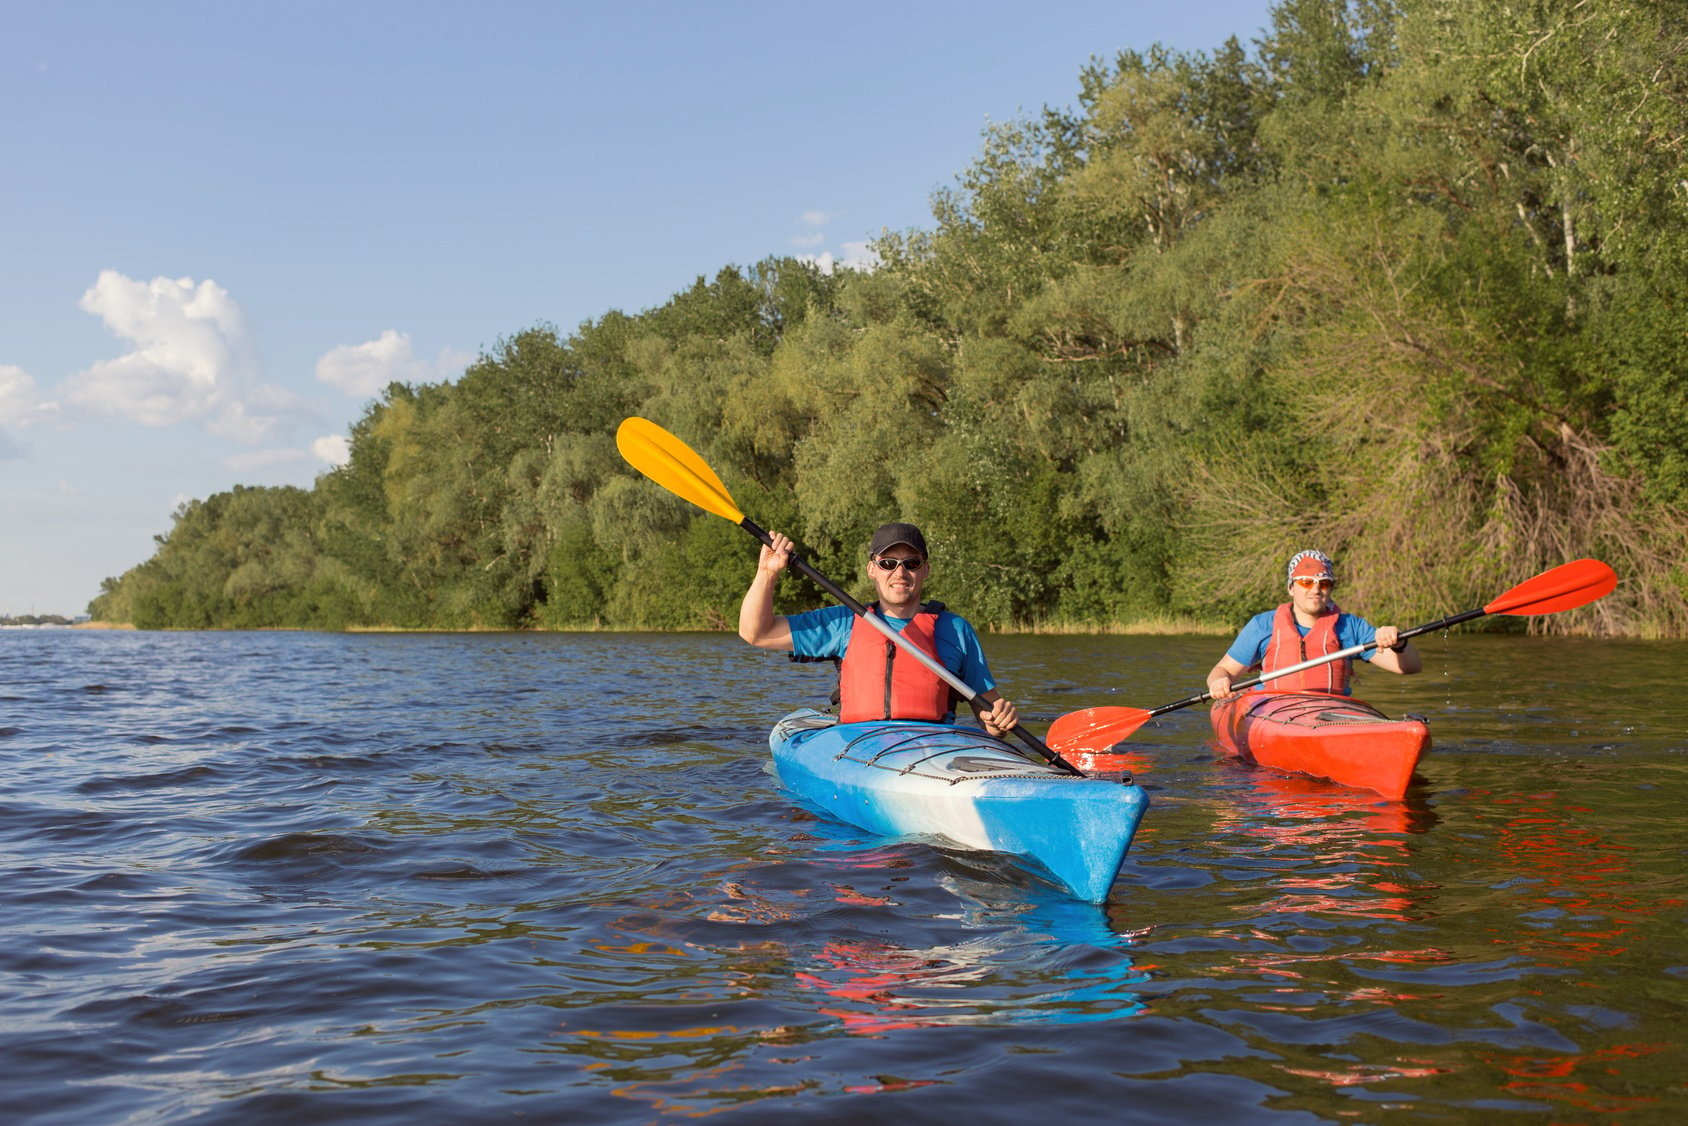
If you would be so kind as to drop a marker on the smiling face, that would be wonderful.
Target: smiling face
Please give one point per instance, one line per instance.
(1312, 576)
(899, 585)
(1309, 596)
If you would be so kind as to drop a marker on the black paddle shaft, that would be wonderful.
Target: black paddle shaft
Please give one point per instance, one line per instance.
(804, 567)
(1353, 651)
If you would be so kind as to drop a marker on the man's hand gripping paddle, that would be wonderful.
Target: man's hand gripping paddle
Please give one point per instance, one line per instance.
(672, 464)
(1094, 730)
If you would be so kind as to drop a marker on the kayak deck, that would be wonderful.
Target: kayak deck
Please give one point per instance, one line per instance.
(1334, 737)
(961, 787)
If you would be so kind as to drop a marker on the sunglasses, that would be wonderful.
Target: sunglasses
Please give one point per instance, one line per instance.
(909, 565)
(1306, 583)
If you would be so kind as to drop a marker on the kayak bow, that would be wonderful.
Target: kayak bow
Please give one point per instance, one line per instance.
(961, 787)
(1326, 736)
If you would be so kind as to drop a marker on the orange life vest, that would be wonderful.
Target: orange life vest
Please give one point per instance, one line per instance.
(877, 680)
(1287, 647)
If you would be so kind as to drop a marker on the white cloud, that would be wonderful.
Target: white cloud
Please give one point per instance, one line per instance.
(851, 256)
(860, 256)
(362, 370)
(282, 463)
(857, 256)
(20, 399)
(192, 359)
(816, 222)
(333, 448)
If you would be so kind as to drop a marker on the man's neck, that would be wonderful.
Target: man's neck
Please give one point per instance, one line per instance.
(899, 609)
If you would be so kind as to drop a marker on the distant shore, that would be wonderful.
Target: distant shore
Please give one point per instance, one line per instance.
(1150, 627)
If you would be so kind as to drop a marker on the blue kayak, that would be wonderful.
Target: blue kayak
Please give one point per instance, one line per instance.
(961, 787)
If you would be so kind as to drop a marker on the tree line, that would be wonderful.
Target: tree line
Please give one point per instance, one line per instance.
(1405, 281)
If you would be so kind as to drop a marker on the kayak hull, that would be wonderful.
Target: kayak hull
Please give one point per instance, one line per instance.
(960, 787)
(1334, 737)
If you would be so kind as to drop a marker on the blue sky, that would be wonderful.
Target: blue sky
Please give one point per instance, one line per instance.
(223, 226)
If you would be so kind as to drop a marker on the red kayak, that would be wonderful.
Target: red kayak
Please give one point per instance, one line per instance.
(1335, 737)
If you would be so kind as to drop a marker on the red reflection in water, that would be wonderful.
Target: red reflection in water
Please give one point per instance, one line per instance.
(1362, 1073)
(1314, 812)
(870, 975)
(1104, 765)
(1345, 854)
(1576, 902)
(1576, 871)
(846, 894)
(1556, 1077)
(1355, 838)
(886, 1083)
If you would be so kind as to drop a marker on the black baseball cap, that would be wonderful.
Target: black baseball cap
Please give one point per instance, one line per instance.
(890, 535)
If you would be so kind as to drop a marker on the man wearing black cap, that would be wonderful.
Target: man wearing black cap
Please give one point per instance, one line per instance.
(876, 679)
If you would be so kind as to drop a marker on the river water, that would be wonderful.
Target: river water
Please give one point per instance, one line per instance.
(418, 878)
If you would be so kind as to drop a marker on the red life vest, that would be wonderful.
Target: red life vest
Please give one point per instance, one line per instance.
(1287, 647)
(877, 680)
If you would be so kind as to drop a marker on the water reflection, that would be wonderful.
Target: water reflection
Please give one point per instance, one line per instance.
(1576, 1080)
(1315, 813)
(1040, 957)
(1546, 892)
(1577, 892)
(791, 955)
(1056, 963)
(1319, 863)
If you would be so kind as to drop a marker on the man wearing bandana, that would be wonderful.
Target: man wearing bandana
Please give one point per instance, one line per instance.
(1309, 625)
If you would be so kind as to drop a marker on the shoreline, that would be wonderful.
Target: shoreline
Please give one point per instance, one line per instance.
(1149, 627)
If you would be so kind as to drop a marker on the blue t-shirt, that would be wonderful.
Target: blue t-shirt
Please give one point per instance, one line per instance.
(825, 633)
(1249, 649)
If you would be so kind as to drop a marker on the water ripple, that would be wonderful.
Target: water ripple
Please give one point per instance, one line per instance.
(417, 878)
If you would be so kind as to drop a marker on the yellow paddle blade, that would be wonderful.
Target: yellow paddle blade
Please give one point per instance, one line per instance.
(672, 464)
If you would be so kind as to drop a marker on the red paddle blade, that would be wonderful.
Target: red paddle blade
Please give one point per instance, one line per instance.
(1093, 730)
(1564, 588)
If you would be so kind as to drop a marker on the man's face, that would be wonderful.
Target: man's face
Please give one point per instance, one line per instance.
(899, 572)
(1310, 594)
